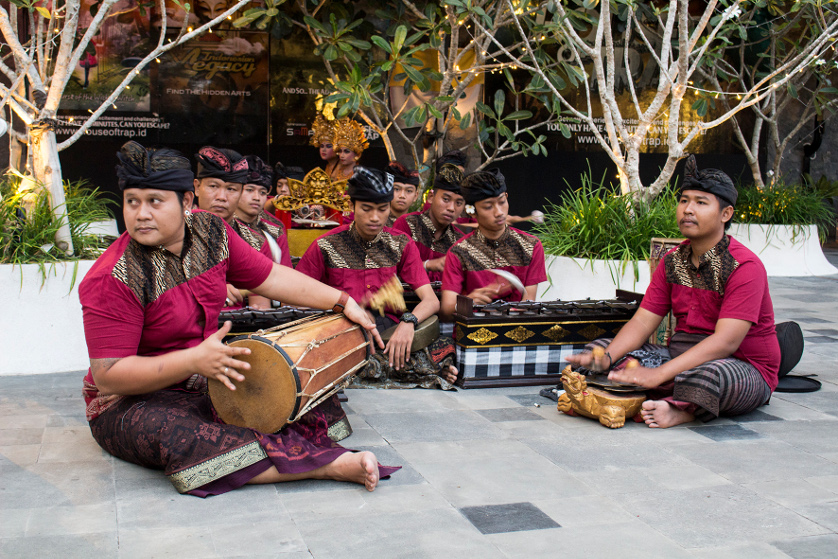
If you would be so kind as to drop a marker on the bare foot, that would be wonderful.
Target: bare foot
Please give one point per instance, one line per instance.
(449, 373)
(357, 467)
(661, 414)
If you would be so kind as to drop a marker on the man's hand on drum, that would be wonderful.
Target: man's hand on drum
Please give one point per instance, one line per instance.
(356, 314)
(398, 347)
(216, 360)
(233, 296)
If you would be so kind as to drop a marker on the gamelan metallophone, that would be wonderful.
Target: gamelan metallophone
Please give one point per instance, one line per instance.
(526, 343)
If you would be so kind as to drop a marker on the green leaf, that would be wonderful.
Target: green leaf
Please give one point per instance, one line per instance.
(331, 53)
(500, 98)
(311, 22)
(505, 131)
(465, 122)
(398, 40)
(700, 106)
(565, 129)
(337, 97)
(381, 43)
(518, 115)
(434, 111)
(485, 109)
(358, 43)
(792, 90)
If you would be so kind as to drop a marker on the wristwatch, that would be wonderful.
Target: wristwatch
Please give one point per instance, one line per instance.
(409, 317)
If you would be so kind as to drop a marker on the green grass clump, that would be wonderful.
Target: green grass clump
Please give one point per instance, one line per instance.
(780, 204)
(595, 223)
(28, 226)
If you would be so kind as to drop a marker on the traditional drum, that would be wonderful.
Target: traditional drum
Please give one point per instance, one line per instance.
(293, 368)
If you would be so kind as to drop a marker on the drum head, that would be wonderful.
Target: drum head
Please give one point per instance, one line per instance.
(267, 398)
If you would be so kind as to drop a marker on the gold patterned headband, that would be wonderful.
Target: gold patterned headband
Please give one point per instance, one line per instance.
(323, 131)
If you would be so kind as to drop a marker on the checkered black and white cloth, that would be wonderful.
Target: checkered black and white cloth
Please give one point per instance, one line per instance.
(515, 361)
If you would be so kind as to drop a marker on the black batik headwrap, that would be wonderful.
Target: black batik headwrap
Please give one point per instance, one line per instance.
(402, 174)
(219, 163)
(370, 185)
(482, 184)
(448, 177)
(162, 169)
(453, 157)
(713, 181)
(258, 172)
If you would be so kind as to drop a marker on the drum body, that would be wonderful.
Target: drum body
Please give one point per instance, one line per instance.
(293, 368)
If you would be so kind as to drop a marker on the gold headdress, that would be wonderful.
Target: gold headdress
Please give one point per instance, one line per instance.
(350, 134)
(323, 131)
(315, 188)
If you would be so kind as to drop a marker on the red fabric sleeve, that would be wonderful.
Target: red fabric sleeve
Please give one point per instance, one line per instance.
(537, 271)
(411, 270)
(658, 297)
(453, 278)
(312, 264)
(113, 318)
(247, 268)
(744, 292)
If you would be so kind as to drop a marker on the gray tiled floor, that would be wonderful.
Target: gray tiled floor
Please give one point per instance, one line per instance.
(535, 483)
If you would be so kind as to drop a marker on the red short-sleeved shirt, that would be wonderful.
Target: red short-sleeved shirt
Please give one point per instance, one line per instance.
(730, 282)
(141, 300)
(344, 261)
(469, 260)
(420, 227)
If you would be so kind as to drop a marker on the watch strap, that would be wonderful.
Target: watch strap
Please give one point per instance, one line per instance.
(341, 304)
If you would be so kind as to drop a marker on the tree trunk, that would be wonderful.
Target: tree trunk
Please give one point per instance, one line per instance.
(47, 170)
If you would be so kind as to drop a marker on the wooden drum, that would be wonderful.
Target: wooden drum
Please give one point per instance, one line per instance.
(293, 368)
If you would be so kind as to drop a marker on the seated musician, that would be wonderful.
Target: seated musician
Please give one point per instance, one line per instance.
(494, 245)
(250, 213)
(405, 190)
(151, 304)
(361, 258)
(433, 230)
(218, 188)
(724, 356)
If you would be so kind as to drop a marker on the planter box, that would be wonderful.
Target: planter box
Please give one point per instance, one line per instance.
(570, 279)
(42, 325)
(782, 253)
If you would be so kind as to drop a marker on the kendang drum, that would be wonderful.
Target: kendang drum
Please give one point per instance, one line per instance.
(293, 368)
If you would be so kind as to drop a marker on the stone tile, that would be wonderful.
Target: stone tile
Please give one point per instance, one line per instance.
(824, 331)
(755, 461)
(529, 399)
(825, 514)
(830, 483)
(819, 339)
(362, 434)
(366, 401)
(721, 433)
(48, 485)
(504, 479)
(13, 523)
(633, 539)
(586, 510)
(511, 517)
(167, 541)
(756, 415)
(82, 450)
(814, 547)
(740, 551)
(251, 503)
(336, 505)
(76, 545)
(488, 399)
(461, 451)
(12, 437)
(792, 411)
(23, 421)
(509, 414)
(427, 533)
(811, 320)
(718, 516)
(442, 425)
(19, 455)
(72, 519)
(270, 537)
(816, 437)
(792, 493)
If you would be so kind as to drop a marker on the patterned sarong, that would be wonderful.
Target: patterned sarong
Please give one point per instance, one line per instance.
(177, 431)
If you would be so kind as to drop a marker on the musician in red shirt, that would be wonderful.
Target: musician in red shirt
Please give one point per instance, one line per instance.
(151, 304)
(405, 190)
(359, 259)
(723, 358)
(494, 245)
(433, 230)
